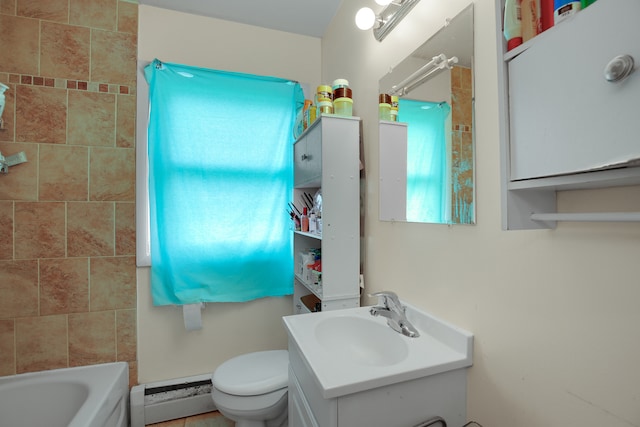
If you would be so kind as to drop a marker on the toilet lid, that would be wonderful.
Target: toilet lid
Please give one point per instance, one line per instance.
(253, 373)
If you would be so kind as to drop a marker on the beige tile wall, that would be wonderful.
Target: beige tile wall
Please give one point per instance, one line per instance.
(67, 226)
(462, 143)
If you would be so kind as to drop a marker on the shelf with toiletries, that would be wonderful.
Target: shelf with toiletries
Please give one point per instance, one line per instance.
(564, 120)
(308, 234)
(525, 22)
(326, 183)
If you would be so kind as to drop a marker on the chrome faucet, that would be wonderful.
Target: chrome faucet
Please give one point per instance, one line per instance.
(389, 306)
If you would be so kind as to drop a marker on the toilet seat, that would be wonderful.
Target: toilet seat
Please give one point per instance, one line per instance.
(253, 374)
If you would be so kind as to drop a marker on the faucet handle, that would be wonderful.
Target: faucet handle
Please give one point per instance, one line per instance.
(387, 298)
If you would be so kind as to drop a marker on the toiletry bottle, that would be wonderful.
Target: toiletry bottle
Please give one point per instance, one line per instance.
(394, 108)
(546, 10)
(512, 23)
(562, 9)
(304, 221)
(312, 223)
(585, 3)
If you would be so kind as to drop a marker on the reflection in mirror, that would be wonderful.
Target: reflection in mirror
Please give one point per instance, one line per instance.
(427, 154)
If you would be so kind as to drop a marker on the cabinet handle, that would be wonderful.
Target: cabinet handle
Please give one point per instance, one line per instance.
(305, 157)
(618, 68)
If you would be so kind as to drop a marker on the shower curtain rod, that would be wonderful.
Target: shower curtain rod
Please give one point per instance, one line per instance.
(437, 64)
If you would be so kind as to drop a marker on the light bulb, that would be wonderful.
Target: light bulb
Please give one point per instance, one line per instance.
(383, 2)
(365, 18)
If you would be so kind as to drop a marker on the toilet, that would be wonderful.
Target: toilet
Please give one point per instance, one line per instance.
(251, 389)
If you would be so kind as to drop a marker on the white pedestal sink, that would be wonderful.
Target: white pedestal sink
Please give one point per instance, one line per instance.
(344, 361)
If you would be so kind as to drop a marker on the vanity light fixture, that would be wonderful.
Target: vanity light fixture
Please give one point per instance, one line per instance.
(385, 21)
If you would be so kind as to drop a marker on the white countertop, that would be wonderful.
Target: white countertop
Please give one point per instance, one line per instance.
(440, 347)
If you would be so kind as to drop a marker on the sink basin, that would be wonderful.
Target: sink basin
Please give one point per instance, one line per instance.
(350, 350)
(361, 341)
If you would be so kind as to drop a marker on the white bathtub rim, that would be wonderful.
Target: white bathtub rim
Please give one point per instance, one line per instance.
(105, 383)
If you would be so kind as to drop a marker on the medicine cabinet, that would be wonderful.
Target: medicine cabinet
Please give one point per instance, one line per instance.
(563, 124)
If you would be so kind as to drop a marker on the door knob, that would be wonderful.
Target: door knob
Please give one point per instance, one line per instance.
(618, 68)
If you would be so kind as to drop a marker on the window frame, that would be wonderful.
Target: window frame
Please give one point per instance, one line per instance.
(143, 233)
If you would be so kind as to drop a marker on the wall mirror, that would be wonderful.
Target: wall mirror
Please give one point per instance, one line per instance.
(427, 153)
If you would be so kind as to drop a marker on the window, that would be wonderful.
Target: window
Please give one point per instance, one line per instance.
(220, 176)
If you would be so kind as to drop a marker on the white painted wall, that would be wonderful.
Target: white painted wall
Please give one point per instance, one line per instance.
(165, 349)
(555, 313)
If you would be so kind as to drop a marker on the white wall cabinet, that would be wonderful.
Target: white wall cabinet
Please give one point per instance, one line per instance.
(563, 125)
(327, 157)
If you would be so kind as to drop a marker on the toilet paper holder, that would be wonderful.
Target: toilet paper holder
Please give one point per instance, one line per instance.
(192, 316)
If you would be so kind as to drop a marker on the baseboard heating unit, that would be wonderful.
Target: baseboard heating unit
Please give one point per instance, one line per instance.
(167, 400)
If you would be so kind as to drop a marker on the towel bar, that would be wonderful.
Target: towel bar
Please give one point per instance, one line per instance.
(595, 216)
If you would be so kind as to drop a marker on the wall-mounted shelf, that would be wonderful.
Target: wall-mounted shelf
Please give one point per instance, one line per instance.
(312, 235)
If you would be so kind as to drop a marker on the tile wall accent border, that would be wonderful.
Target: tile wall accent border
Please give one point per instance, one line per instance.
(30, 80)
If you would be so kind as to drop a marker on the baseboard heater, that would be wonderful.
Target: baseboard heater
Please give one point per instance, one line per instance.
(167, 400)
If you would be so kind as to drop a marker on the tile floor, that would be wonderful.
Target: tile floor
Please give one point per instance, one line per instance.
(211, 419)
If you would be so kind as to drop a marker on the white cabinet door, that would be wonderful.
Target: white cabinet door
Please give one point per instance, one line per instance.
(300, 414)
(307, 165)
(564, 116)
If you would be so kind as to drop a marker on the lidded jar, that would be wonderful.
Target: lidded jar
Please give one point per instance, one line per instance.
(324, 93)
(384, 107)
(342, 97)
(325, 107)
(339, 84)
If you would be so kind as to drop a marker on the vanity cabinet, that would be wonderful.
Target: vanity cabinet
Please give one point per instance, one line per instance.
(327, 158)
(408, 403)
(563, 125)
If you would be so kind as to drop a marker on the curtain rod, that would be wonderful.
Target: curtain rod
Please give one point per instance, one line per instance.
(437, 63)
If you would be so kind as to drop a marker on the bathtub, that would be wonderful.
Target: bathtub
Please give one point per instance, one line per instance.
(86, 396)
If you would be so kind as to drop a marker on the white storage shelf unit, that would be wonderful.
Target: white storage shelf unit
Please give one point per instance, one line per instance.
(563, 126)
(327, 157)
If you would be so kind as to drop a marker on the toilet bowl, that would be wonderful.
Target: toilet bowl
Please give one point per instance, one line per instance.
(251, 389)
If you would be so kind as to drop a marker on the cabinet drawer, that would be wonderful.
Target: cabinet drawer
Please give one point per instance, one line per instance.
(564, 116)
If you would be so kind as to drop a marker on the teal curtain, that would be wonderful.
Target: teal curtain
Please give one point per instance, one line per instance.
(220, 177)
(427, 182)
